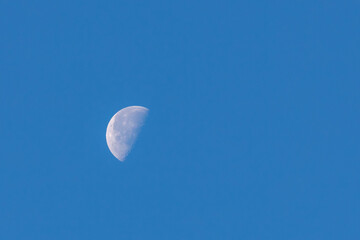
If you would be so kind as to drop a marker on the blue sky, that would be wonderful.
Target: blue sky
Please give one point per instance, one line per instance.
(253, 130)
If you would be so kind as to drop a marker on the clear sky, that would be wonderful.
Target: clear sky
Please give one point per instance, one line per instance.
(253, 130)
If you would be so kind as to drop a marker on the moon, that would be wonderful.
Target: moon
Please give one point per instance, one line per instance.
(123, 129)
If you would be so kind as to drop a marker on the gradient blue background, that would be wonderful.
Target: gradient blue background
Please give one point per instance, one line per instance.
(253, 131)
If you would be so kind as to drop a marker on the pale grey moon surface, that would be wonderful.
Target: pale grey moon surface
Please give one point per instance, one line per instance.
(123, 129)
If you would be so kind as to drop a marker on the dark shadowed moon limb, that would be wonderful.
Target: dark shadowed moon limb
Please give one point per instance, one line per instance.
(123, 129)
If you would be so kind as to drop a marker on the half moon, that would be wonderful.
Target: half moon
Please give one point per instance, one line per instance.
(123, 129)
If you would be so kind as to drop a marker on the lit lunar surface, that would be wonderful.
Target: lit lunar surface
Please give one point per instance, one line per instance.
(123, 130)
